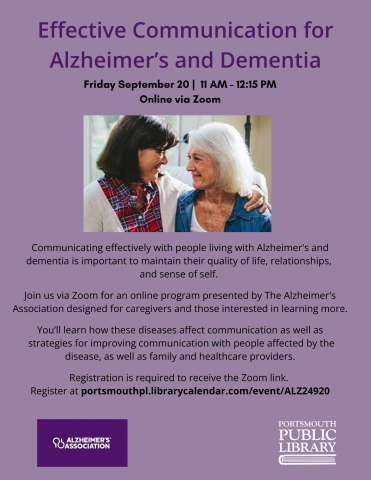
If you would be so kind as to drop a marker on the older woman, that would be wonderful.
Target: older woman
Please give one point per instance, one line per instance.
(222, 173)
(134, 195)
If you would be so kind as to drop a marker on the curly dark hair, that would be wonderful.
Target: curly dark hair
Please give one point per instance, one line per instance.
(119, 158)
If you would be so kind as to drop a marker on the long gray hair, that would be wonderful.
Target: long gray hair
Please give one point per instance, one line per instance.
(231, 157)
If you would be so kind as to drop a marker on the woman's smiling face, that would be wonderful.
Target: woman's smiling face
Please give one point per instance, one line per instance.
(202, 168)
(150, 161)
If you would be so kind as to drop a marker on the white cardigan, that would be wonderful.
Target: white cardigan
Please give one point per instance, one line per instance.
(99, 216)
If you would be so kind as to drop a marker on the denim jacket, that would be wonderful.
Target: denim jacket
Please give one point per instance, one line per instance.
(239, 220)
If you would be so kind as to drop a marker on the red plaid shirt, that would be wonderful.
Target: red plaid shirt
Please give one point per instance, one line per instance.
(123, 200)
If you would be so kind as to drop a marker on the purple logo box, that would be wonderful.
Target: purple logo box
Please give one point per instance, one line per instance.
(82, 443)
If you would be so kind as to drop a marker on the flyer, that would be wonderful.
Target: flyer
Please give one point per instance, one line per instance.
(243, 352)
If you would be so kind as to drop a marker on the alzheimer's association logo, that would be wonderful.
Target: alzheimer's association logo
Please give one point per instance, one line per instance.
(58, 442)
(82, 443)
(307, 442)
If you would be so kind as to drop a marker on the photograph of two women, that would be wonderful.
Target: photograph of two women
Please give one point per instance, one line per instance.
(177, 173)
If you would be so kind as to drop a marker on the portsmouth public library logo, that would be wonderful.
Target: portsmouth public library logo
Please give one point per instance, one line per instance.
(82, 443)
(307, 442)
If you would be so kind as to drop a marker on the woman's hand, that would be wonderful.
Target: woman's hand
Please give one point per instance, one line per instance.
(257, 199)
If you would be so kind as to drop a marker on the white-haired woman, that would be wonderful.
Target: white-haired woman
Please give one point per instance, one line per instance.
(222, 173)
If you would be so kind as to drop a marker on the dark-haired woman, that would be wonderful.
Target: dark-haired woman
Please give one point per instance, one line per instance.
(134, 195)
